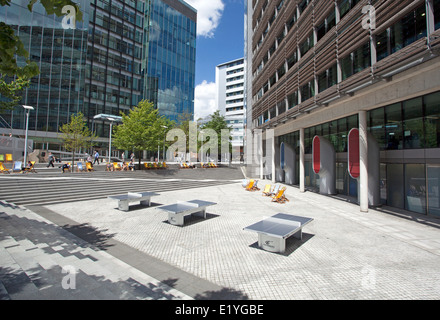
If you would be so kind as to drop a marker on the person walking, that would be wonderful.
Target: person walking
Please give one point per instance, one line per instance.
(96, 157)
(51, 160)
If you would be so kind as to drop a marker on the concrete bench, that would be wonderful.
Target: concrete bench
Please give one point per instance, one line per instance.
(273, 231)
(178, 211)
(124, 199)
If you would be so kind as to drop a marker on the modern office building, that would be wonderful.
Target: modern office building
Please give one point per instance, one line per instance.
(229, 80)
(58, 90)
(318, 69)
(121, 52)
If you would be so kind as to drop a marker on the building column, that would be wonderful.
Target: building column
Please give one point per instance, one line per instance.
(302, 171)
(363, 158)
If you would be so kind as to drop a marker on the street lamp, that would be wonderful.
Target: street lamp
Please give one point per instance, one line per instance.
(110, 139)
(163, 153)
(28, 108)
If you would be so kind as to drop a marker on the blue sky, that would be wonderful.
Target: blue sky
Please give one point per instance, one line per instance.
(226, 44)
(220, 38)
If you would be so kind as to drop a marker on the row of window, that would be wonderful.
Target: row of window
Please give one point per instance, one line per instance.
(410, 28)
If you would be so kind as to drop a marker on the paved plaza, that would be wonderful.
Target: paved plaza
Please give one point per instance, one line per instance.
(344, 254)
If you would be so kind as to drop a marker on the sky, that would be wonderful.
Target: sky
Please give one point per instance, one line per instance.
(220, 39)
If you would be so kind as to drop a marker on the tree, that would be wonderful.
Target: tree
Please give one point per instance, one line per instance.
(142, 129)
(76, 135)
(15, 78)
(218, 123)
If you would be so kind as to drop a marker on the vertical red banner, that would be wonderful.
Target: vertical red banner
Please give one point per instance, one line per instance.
(353, 154)
(316, 154)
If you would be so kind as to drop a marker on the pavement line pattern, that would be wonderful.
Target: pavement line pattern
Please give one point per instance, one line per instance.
(39, 260)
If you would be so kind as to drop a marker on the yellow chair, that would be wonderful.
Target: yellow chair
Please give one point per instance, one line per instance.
(3, 169)
(164, 165)
(117, 166)
(250, 185)
(31, 168)
(266, 191)
(8, 157)
(89, 167)
(69, 166)
(280, 197)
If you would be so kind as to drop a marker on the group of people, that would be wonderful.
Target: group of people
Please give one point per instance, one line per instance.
(92, 161)
(124, 165)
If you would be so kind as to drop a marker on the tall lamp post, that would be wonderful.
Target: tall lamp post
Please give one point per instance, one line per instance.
(28, 110)
(110, 139)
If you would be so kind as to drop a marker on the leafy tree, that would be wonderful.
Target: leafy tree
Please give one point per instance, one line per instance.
(218, 123)
(142, 129)
(15, 78)
(76, 134)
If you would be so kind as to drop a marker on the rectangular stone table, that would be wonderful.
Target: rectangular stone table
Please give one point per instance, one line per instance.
(178, 211)
(124, 199)
(273, 231)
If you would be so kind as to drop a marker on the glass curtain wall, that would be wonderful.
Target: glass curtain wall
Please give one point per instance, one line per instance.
(58, 91)
(170, 78)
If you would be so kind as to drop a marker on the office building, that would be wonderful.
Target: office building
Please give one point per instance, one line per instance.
(229, 79)
(322, 68)
(121, 52)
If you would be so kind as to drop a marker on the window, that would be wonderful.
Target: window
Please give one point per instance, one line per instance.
(393, 118)
(432, 120)
(281, 71)
(292, 100)
(409, 29)
(413, 123)
(307, 91)
(377, 126)
(346, 5)
(326, 25)
(306, 45)
(357, 61)
(327, 79)
(382, 45)
(437, 14)
(291, 22)
(292, 60)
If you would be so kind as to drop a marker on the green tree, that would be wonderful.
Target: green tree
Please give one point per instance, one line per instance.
(217, 122)
(76, 134)
(141, 129)
(14, 77)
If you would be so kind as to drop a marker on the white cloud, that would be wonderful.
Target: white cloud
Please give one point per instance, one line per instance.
(209, 13)
(204, 102)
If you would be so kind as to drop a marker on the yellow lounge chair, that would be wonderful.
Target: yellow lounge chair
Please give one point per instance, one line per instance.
(280, 197)
(117, 166)
(165, 165)
(266, 191)
(31, 168)
(3, 169)
(8, 157)
(250, 185)
(89, 167)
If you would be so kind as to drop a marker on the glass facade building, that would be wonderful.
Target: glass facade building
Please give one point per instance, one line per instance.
(60, 53)
(171, 52)
(121, 52)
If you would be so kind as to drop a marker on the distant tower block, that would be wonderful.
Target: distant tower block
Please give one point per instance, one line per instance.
(287, 161)
(324, 164)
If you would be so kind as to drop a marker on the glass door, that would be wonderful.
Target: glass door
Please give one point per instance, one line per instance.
(433, 184)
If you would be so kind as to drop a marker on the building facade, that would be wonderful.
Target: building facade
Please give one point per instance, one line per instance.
(121, 52)
(322, 68)
(229, 80)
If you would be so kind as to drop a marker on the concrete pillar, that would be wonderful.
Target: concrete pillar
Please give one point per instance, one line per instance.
(302, 170)
(363, 157)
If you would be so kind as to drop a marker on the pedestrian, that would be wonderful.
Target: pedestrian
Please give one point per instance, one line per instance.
(131, 164)
(96, 157)
(51, 160)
